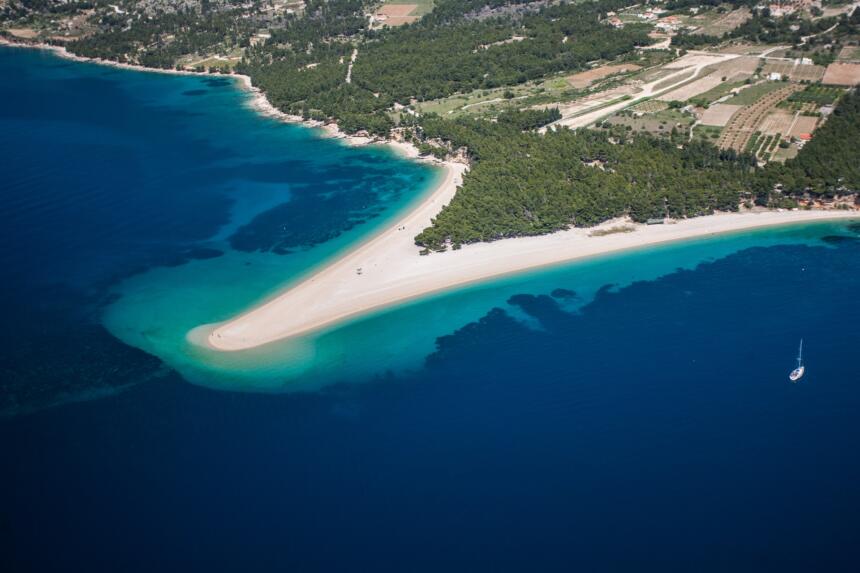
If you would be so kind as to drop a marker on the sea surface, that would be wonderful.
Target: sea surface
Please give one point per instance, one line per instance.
(631, 412)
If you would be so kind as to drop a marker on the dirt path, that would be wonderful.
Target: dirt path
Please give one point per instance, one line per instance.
(351, 62)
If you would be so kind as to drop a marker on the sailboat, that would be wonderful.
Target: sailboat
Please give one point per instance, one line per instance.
(797, 373)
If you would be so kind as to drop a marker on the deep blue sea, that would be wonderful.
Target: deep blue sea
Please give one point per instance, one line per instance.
(629, 413)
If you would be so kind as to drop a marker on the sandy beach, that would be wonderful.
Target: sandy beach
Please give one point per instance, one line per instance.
(388, 268)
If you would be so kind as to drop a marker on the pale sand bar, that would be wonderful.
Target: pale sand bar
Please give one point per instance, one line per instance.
(392, 271)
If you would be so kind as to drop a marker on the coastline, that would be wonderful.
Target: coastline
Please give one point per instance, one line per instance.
(257, 101)
(391, 272)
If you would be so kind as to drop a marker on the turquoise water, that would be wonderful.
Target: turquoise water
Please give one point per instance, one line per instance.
(157, 309)
(630, 412)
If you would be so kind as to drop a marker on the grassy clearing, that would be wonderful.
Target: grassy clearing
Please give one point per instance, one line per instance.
(713, 94)
(754, 93)
(657, 123)
(707, 133)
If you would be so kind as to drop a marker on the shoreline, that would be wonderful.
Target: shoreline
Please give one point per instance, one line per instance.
(392, 273)
(257, 101)
(386, 269)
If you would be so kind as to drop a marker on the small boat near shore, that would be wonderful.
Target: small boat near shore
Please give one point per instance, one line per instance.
(798, 372)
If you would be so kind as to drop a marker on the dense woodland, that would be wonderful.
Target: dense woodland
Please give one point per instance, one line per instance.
(523, 183)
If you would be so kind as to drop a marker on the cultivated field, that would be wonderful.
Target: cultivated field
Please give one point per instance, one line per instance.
(842, 74)
(804, 124)
(779, 121)
(796, 72)
(738, 68)
(719, 114)
(585, 79)
(849, 53)
(725, 23)
(745, 122)
(748, 95)
(697, 59)
(594, 101)
(693, 88)
(650, 106)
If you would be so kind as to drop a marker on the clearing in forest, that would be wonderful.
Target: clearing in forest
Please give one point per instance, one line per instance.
(588, 77)
(393, 14)
(25, 33)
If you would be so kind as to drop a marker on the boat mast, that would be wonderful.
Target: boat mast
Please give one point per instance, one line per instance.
(800, 354)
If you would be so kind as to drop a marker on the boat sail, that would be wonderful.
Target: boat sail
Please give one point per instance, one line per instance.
(797, 373)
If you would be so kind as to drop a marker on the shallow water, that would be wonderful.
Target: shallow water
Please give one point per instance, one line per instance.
(629, 412)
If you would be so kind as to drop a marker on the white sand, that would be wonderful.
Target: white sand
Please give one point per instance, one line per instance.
(392, 270)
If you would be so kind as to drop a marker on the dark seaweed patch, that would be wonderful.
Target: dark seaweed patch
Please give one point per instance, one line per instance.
(563, 293)
(839, 239)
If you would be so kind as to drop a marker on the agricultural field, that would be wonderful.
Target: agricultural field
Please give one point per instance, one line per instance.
(596, 101)
(739, 68)
(657, 123)
(849, 54)
(777, 121)
(842, 74)
(719, 114)
(745, 122)
(803, 124)
(812, 98)
(588, 77)
(649, 106)
(763, 145)
(753, 93)
(709, 97)
(693, 88)
(795, 72)
(717, 25)
(745, 48)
